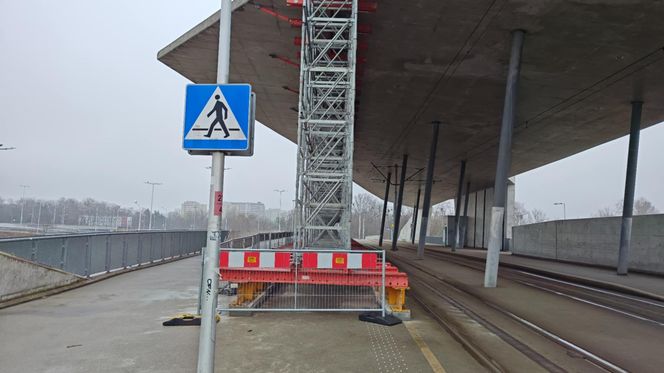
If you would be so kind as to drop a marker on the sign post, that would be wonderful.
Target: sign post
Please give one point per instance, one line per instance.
(218, 121)
(208, 332)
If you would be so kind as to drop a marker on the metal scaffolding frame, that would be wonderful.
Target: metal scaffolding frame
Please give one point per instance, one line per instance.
(325, 124)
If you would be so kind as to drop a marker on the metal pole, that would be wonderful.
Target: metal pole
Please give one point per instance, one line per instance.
(504, 161)
(200, 287)
(208, 330)
(397, 207)
(464, 226)
(39, 215)
(388, 180)
(427, 191)
(415, 212)
(382, 276)
(151, 207)
(630, 184)
(457, 207)
(280, 191)
(23, 201)
(152, 201)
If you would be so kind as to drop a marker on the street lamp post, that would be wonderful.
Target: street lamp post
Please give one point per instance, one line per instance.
(23, 200)
(151, 201)
(564, 209)
(140, 214)
(280, 191)
(39, 215)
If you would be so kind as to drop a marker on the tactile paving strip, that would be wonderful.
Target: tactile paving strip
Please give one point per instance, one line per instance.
(386, 349)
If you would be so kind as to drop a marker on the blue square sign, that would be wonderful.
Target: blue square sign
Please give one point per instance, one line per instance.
(217, 118)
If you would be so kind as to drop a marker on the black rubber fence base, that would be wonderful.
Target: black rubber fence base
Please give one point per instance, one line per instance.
(185, 319)
(378, 318)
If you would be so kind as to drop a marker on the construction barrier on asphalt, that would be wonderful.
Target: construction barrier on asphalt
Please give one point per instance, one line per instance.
(97, 253)
(283, 279)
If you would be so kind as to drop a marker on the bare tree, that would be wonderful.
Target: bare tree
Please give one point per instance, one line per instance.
(367, 213)
(521, 214)
(641, 207)
(606, 212)
(538, 216)
(644, 207)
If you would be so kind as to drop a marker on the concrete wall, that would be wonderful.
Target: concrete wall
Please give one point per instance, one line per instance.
(19, 277)
(594, 241)
(479, 216)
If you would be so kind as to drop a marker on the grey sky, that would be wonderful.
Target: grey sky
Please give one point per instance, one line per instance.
(94, 114)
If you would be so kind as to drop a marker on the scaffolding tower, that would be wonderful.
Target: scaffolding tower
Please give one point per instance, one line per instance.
(325, 124)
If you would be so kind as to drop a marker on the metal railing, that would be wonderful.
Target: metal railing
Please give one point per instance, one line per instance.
(96, 253)
(260, 240)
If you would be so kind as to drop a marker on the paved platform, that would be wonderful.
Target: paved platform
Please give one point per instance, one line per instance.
(643, 282)
(115, 326)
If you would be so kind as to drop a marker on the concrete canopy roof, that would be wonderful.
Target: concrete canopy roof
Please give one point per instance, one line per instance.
(584, 61)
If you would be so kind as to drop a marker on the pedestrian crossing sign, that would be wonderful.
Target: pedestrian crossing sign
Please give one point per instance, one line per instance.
(217, 118)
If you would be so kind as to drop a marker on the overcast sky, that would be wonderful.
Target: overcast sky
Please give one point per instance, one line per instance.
(92, 113)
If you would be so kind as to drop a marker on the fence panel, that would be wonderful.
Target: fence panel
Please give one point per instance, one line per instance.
(301, 280)
(144, 248)
(132, 249)
(116, 255)
(97, 247)
(20, 248)
(75, 255)
(48, 252)
(94, 253)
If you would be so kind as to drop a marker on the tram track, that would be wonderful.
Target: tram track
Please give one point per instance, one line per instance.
(627, 305)
(442, 288)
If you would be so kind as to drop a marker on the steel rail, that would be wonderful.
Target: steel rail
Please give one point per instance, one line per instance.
(637, 312)
(526, 350)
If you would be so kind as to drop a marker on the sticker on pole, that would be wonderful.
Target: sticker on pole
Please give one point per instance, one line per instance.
(217, 118)
(218, 203)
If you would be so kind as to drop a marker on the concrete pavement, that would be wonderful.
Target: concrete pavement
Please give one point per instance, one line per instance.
(114, 325)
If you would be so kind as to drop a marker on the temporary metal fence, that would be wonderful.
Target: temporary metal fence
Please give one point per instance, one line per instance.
(267, 279)
(91, 254)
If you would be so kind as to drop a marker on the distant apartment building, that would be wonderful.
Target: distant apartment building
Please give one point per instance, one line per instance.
(273, 214)
(192, 207)
(246, 208)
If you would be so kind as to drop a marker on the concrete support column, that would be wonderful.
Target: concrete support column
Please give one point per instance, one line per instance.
(457, 207)
(630, 185)
(415, 212)
(426, 203)
(464, 226)
(399, 203)
(388, 180)
(504, 161)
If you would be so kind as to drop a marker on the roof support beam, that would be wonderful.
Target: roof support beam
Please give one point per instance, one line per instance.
(504, 161)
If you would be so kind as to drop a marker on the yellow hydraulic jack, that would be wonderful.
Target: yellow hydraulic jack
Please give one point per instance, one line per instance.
(248, 291)
(396, 299)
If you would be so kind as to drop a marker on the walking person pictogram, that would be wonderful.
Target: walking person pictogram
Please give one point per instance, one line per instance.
(221, 113)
